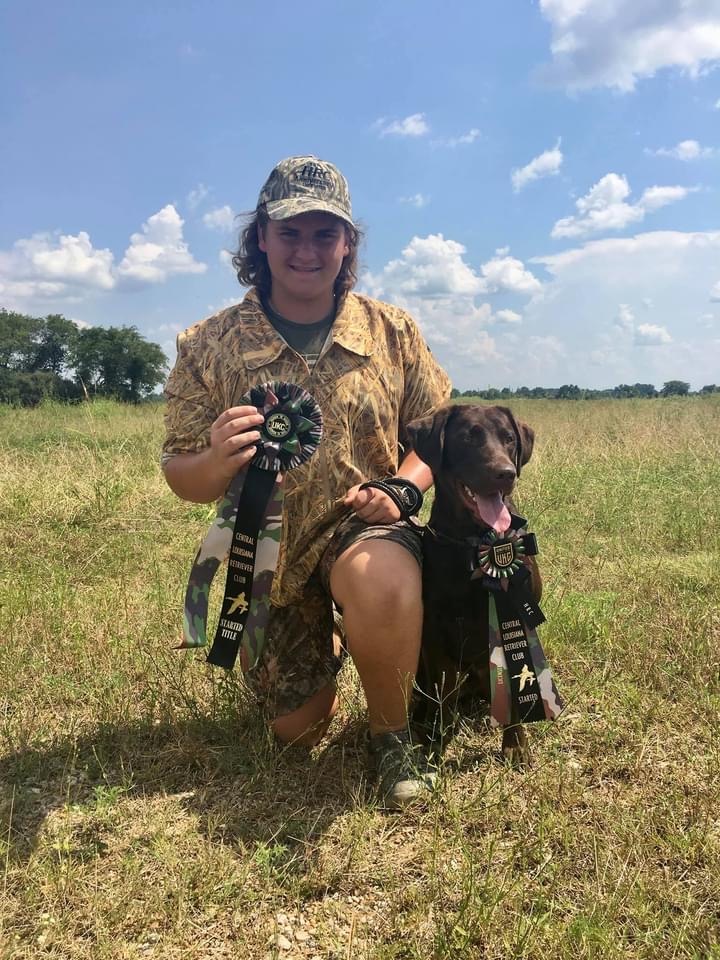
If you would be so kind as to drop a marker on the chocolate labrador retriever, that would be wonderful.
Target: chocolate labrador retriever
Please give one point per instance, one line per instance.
(476, 454)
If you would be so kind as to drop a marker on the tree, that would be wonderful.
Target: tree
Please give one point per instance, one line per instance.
(645, 390)
(675, 388)
(17, 333)
(569, 391)
(118, 362)
(54, 342)
(710, 388)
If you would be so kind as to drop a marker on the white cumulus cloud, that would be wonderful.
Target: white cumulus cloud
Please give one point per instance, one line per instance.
(604, 207)
(430, 267)
(47, 266)
(685, 150)
(464, 138)
(222, 219)
(614, 43)
(644, 334)
(508, 316)
(547, 164)
(715, 293)
(196, 196)
(66, 267)
(625, 318)
(651, 335)
(413, 126)
(435, 267)
(418, 200)
(506, 274)
(598, 289)
(433, 280)
(159, 251)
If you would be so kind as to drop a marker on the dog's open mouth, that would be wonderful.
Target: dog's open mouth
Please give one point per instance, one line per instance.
(488, 509)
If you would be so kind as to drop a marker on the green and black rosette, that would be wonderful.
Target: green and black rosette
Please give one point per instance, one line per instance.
(248, 526)
(521, 686)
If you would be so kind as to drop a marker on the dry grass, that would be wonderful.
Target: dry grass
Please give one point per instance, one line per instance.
(144, 814)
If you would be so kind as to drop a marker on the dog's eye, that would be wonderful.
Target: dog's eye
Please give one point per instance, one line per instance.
(507, 437)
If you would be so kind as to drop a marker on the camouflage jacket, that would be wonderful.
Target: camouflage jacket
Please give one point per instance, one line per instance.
(375, 375)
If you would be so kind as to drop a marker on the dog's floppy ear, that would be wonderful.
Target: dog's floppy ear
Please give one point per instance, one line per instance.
(527, 434)
(427, 437)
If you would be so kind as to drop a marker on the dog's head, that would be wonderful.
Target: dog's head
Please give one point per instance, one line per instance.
(475, 454)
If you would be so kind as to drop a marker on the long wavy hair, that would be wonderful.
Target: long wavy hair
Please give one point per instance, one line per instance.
(251, 263)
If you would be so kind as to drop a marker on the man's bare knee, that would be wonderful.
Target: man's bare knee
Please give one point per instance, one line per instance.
(379, 577)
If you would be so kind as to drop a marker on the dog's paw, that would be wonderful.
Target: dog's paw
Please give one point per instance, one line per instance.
(515, 747)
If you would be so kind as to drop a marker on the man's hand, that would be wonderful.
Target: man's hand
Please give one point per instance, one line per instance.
(371, 505)
(232, 439)
(204, 476)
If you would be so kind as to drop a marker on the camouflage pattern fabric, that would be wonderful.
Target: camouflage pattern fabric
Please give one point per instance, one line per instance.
(214, 550)
(552, 703)
(266, 557)
(500, 692)
(303, 185)
(375, 376)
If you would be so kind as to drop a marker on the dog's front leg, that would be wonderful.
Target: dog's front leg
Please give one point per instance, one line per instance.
(515, 746)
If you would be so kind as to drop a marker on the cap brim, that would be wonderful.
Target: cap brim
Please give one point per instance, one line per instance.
(293, 206)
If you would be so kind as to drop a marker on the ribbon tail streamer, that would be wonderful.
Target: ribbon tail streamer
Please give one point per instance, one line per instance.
(551, 700)
(213, 551)
(241, 586)
(266, 560)
(500, 692)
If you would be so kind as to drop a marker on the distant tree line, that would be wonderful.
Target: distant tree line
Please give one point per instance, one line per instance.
(569, 391)
(50, 357)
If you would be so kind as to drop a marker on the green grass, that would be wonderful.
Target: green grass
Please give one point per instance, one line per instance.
(144, 812)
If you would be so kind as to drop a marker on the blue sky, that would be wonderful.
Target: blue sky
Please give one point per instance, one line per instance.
(538, 181)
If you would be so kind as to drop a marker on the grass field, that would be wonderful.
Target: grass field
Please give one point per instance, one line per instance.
(144, 812)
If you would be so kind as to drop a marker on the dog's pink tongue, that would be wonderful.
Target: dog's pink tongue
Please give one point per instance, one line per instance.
(493, 511)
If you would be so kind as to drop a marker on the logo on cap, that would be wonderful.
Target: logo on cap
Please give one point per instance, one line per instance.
(314, 175)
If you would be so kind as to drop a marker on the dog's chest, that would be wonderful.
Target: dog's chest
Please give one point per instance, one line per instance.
(455, 607)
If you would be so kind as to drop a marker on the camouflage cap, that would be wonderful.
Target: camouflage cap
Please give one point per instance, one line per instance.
(305, 184)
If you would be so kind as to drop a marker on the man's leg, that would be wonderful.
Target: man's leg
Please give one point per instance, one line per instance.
(295, 676)
(378, 585)
(307, 725)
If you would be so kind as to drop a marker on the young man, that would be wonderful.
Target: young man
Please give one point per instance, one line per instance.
(371, 373)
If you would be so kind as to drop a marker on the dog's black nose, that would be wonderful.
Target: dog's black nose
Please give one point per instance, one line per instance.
(506, 475)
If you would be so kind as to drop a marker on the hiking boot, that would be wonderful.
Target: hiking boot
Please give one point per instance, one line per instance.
(401, 770)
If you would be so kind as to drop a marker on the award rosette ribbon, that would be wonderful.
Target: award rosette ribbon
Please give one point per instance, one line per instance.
(248, 526)
(521, 686)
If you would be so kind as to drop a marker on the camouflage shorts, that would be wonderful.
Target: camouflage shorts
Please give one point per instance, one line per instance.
(299, 657)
